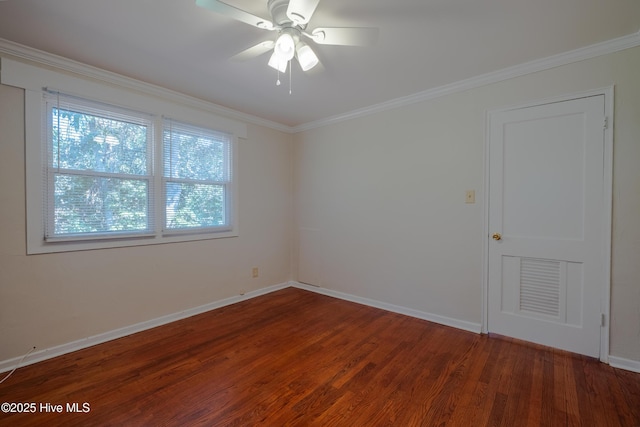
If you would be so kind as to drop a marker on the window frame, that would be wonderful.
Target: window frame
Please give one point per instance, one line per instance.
(169, 123)
(88, 107)
(128, 94)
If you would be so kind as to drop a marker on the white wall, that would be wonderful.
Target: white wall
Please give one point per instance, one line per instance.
(54, 299)
(380, 200)
(380, 207)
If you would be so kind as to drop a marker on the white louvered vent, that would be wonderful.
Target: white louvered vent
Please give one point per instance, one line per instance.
(540, 286)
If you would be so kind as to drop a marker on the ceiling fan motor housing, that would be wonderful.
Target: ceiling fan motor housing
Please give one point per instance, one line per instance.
(278, 11)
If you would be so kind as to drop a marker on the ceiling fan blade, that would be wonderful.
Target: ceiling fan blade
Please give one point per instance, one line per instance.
(235, 13)
(345, 36)
(300, 11)
(254, 51)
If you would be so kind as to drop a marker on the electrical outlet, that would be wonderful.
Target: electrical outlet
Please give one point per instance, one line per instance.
(254, 272)
(470, 196)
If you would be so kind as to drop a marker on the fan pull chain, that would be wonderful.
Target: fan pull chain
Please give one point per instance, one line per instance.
(290, 74)
(278, 83)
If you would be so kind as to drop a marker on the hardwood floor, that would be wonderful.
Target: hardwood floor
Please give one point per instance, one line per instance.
(296, 358)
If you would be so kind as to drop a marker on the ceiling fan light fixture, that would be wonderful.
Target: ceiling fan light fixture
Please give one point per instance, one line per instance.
(306, 56)
(277, 62)
(290, 19)
(285, 46)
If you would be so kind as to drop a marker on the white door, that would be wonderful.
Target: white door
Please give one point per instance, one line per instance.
(547, 224)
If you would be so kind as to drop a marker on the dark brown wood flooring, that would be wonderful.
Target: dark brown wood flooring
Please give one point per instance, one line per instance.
(296, 358)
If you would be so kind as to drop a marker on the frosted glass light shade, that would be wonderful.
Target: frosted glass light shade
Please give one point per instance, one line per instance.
(285, 46)
(306, 56)
(278, 63)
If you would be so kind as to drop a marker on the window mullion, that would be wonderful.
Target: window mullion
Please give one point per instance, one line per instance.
(88, 172)
(195, 181)
(158, 181)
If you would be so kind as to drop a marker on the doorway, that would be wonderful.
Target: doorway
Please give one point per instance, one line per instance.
(549, 224)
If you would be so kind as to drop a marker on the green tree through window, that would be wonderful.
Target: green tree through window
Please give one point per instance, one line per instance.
(196, 176)
(98, 173)
(101, 182)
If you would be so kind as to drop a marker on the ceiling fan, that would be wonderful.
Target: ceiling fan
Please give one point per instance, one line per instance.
(290, 19)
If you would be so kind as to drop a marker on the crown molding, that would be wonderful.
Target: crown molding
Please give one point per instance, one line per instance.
(47, 59)
(50, 60)
(581, 54)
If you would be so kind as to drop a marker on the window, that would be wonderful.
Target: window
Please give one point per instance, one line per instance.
(99, 171)
(114, 175)
(196, 177)
(97, 175)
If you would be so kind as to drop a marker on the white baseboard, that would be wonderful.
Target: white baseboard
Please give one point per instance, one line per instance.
(442, 320)
(51, 352)
(616, 362)
(626, 364)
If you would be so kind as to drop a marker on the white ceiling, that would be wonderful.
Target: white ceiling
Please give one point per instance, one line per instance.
(423, 44)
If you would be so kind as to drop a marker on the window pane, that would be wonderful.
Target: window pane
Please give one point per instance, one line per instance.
(194, 205)
(86, 204)
(194, 156)
(83, 141)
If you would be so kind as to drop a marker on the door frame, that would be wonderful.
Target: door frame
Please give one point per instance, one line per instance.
(607, 206)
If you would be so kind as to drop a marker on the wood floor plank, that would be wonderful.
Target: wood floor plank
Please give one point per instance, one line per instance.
(490, 380)
(296, 358)
(534, 415)
(560, 394)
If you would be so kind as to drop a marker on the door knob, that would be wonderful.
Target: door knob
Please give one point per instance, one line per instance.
(497, 236)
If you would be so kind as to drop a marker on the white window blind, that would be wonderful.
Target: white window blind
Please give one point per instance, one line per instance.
(99, 164)
(197, 176)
